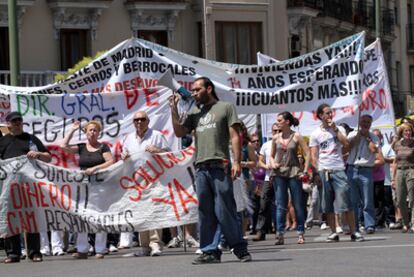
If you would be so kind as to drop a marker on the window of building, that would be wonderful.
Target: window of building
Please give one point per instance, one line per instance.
(238, 42)
(160, 37)
(295, 46)
(74, 45)
(4, 48)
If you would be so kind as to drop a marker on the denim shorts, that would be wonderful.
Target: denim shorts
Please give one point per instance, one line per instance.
(336, 192)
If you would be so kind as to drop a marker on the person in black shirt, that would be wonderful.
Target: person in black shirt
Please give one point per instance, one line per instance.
(93, 156)
(14, 144)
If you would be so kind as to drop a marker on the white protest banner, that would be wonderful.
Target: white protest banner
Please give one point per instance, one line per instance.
(376, 98)
(133, 67)
(145, 192)
(50, 117)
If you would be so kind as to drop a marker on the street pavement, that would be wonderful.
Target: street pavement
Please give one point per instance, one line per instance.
(385, 253)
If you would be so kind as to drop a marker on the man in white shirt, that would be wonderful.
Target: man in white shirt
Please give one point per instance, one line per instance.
(361, 160)
(326, 145)
(149, 140)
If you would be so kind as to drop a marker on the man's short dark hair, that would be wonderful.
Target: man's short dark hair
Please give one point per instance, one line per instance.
(320, 109)
(208, 83)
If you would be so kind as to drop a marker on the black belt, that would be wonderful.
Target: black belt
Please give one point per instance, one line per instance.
(212, 164)
(405, 167)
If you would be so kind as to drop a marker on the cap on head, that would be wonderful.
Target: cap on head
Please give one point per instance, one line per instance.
(13, 115)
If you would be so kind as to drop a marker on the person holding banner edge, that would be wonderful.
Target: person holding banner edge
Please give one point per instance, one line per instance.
(214, 123)
(326, 144)
(93, 156)
(152, 141)
(15, 144)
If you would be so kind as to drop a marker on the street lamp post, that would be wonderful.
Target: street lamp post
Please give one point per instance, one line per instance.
(13, 43)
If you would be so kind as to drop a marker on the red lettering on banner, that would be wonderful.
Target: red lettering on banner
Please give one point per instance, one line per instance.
(66, 190)
(171, 201)
(151, 97)
(54, 195)
(29, 195)
(348, 109)
(4, 105)
(298, 115)
(372, 100)
(16, 199)
(180, 190)
(61, 158)
(131, 97)
(26, 220)
(144, 177)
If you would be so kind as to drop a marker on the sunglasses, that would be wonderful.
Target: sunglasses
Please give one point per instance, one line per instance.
(140, 119)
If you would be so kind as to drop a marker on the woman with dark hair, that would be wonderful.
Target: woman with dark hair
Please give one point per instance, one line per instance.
(287, 174)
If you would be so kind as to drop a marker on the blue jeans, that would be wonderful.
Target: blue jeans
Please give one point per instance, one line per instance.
(281, 185)
(362, 194)
(217, 210)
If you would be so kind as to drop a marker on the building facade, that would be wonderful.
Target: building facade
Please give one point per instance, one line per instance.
(55, 34)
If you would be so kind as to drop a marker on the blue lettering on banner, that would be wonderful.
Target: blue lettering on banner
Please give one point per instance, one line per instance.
(80, 103)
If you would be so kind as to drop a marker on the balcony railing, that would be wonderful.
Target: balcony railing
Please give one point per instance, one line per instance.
(30, 78)
(410, 37)
(360, 13)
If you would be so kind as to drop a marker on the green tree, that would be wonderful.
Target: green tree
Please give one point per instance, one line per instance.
(82, 63)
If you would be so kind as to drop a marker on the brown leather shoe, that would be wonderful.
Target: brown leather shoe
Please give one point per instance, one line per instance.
(80, 256)
(259, 236)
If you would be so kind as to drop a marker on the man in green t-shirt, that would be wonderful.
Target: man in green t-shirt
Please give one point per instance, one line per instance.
(214, 124)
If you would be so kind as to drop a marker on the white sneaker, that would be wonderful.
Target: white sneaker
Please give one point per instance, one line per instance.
(112, 248)
(59, 253)
(339, 230)
(23, 256)
(45, 251)
(191, 242)
(199, 252)
(156, 252)
(324, 226)
(175, 242)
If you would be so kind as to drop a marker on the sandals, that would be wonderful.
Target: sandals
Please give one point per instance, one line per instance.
(301, 239)
(280, 240)
(9, 260)
(404, 229)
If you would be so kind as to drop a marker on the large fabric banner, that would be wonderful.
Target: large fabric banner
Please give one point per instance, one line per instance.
(133, 67)
(144, 192)
(376, 97)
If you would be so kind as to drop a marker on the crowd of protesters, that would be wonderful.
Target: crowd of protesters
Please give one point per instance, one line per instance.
(347, 180)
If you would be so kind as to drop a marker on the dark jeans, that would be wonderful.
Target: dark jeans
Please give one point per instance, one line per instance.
(217, 210)
(14, 249)
(265, 212)
(379, 203)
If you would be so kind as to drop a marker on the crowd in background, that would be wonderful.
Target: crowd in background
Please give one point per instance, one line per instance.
(288, 183)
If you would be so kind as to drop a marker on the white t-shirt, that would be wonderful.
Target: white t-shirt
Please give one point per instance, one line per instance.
(133, 143)
(360, 154)
(387, 152)
(265, 151)
(330, 149)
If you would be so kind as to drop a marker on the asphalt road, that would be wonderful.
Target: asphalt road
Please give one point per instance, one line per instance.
(385, 253)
